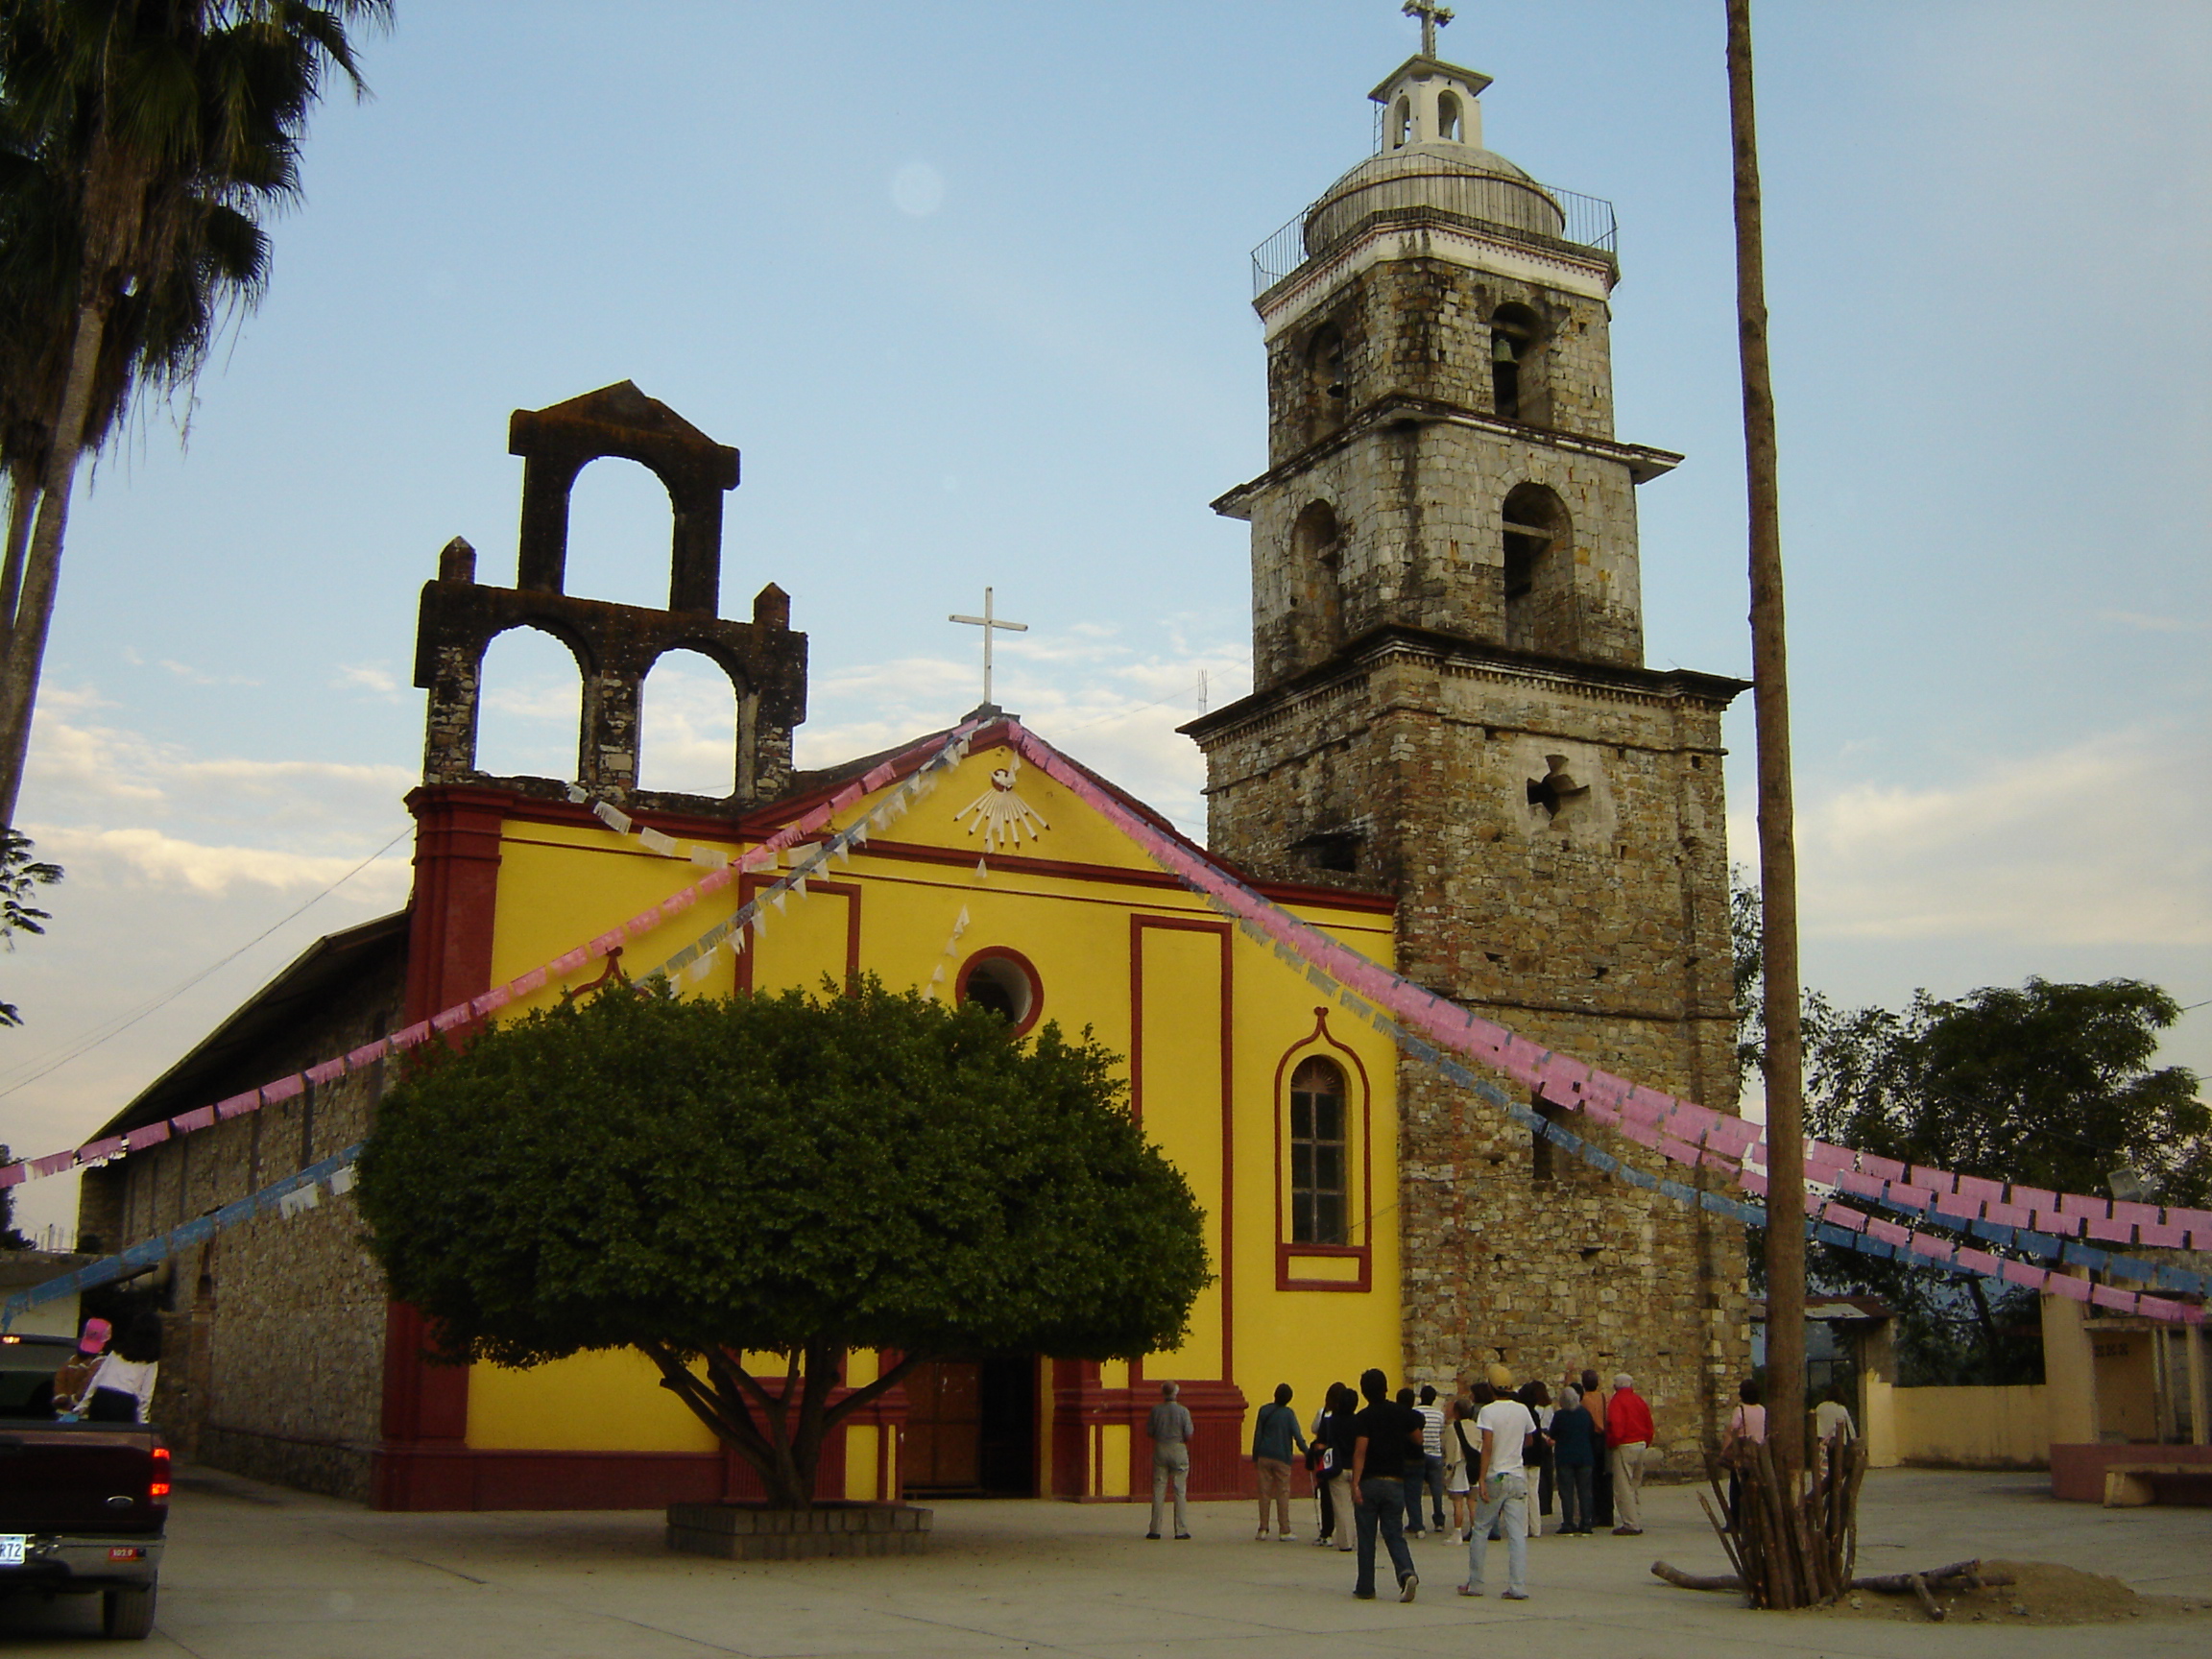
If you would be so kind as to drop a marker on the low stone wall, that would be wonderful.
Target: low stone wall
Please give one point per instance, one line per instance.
(747, 1532)
(335, 1468)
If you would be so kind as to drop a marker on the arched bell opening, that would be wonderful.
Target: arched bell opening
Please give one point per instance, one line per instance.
(1537, 567)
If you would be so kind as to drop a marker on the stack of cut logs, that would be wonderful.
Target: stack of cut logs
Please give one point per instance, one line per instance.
(1798, 1549)
(1792, 1549)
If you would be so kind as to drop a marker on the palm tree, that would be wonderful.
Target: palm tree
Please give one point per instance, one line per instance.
(156, 340)
(166, 125)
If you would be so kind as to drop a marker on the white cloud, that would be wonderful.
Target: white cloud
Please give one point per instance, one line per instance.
(2098, 843)
(371, 677)
(2153, 624)
(150, 856)
(192, 676)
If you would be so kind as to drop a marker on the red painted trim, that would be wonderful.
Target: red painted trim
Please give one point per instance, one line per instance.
(1082, 1410)
(1139, 925)
(452, 1475)
(1285, 1253)
(755, 881)
(456, 897)
(456, 901)
(1005, 953)
(1320, 1037)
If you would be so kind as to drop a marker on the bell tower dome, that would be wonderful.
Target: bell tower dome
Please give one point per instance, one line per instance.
(1450, 705)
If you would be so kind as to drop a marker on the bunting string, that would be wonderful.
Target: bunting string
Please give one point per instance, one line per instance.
(1687, 1134)
(934, 756)
(293, 1196)
(2051, 1227)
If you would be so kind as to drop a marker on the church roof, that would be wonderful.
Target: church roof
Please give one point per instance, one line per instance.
(274, 1014)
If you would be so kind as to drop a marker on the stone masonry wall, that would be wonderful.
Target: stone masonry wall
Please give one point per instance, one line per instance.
(1420, 509)
(273, 1333)
(1421, 328)
(1599, 928)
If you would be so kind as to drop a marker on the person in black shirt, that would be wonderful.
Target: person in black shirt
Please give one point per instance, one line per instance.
(1386, 1438)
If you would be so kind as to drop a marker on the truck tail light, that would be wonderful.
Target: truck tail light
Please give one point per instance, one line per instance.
(157, 1488)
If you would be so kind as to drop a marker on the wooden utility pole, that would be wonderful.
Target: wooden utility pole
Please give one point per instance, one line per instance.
(1785, 1067)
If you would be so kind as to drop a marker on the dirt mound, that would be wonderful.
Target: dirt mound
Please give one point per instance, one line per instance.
(2041, 1593)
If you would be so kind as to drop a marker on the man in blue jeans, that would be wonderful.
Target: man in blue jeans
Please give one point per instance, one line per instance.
(1501, 1490)
(1386, 1438)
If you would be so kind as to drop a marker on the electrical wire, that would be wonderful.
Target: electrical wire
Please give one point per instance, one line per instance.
(86, 1041)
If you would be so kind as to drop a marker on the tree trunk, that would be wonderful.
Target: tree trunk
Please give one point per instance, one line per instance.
(22, 505)
(1777, 830)
(1986, 1323)
(43, 565)
(757, 1424)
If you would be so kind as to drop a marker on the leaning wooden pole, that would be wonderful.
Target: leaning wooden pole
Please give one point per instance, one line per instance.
(1784, 1068)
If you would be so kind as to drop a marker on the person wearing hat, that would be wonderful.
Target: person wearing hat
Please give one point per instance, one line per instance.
(123, 1386)
(73, 1382)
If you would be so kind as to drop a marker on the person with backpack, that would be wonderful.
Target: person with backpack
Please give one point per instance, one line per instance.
(1538, 1398)
(1275, 1432)
(1336, 1446)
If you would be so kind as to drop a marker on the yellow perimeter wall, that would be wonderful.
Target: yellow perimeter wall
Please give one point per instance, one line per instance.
(1978, 1428)
(1158, 977)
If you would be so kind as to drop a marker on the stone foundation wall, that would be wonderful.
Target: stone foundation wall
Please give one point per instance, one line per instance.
(272, 1331)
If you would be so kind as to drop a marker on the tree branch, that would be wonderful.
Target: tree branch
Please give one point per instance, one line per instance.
(867, 1394)
(740, 1432)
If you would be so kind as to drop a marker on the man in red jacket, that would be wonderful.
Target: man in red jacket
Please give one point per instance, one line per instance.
(1628, 1427)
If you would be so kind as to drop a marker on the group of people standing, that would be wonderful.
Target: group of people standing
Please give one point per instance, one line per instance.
(1378, 1459)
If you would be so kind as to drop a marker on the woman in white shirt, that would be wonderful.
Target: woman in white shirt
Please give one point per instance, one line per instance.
(122, 1386)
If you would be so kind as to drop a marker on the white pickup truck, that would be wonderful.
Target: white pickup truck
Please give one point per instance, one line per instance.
(83, 1505)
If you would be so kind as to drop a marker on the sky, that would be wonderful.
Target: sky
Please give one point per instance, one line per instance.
(969, 286)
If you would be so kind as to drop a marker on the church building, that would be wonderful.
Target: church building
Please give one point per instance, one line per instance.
(1454, 763)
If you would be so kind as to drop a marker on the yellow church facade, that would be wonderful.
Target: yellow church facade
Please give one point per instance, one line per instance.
(1277, 1108)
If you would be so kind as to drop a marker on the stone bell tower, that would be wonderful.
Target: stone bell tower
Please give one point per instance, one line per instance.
(1450, 705)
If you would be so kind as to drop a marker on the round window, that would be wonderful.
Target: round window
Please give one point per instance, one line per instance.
(1003, 982)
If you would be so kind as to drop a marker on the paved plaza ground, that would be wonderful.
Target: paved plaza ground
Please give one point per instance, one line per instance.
(256, 1571)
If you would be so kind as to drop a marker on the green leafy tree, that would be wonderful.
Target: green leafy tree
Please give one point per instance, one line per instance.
(160, 126)
(9, 1239)
(800, 1176)
(2049, 1085)
(21, 876)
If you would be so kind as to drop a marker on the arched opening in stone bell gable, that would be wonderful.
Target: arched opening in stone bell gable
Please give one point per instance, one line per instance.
(619, 517)
(1316, 590)
(1517, 382)
(529, 706)
(1450, 124)
(1328, 389)
(687, 727)
(1538, 569)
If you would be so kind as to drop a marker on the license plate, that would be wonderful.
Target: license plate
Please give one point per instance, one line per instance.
(11, 1548)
